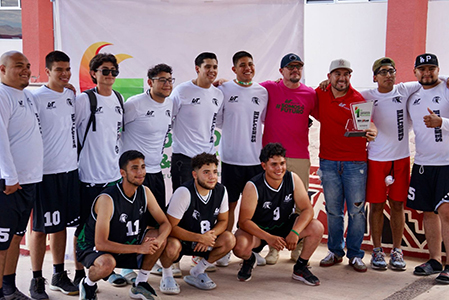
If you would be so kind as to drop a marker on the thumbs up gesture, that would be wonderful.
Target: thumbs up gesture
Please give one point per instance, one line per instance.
(432, 120)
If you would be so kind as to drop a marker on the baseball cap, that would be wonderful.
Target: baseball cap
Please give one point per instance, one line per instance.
(383, 61)
(340, 64)
(291, 57)
(426, 59)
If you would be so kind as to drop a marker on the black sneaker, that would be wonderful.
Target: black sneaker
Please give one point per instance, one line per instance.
(87, 292)
(60, 282)
(303, 274)
(247, 267)
(37, 289)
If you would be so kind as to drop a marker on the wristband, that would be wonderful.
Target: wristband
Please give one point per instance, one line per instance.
(295, 232)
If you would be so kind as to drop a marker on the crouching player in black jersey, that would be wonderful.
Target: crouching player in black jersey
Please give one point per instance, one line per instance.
(267, 216)
(198, 212)
(116, 233)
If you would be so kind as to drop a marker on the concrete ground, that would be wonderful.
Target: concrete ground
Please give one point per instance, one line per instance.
(275, 282)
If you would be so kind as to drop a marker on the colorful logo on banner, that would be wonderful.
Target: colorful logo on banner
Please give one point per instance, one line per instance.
(126, 86)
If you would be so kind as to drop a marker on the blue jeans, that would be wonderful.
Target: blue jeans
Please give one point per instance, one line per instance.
(344, 181)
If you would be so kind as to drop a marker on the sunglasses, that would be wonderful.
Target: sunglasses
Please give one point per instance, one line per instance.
(106, 72)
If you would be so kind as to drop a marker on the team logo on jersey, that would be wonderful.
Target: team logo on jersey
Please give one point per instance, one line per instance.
(119, 110)
(168, 113)
(267, 205)
(99, 110)
(150, 113)
(123, 218)
(51, 105)
(436, 100)
(141, 210)
(215, 101)
(69, 102)
(217, 211)
(397, 99)
(21, 103)
(417, 101)
(116, 149)
(255, 100)
(234, 99)
(288, 198)
(196, 101)
(288, 100)
(196, 214)
(375, 103)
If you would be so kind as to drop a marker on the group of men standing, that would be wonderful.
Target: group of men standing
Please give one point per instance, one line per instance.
(116, 192)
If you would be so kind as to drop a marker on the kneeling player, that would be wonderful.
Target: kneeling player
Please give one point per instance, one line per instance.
(267, 216)
(198, 212)
(116, 232)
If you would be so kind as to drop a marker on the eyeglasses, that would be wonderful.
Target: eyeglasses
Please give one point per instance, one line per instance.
(385, 72)
(106, 72)
(291, 67)
(163, 80)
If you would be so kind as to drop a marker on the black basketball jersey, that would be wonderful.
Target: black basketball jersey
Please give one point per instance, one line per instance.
(128, 222)
(273, 206)
(201, 215)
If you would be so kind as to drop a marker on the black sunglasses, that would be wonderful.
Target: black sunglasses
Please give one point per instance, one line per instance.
(106, 72)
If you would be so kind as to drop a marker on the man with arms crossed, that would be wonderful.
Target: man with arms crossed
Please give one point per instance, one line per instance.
(429, 183)
(116, 232)
(267, 216)
(241, 121)
(198, 213)
(57, 203)
(21, 164)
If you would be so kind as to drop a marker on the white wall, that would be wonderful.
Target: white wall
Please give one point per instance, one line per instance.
(438, 33)
(10, 44)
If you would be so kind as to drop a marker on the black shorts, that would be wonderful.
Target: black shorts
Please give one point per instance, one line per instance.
(181, 169)
(155, 182)
(281, 231)
(57, 203)
(187, 249)
(429, 187)
(15, 211)
(126, 261)
(235, 177)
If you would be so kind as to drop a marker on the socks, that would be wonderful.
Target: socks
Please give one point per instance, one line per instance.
(89, 282)
(301, 263)
(434, 263)
(9, 284)
(37, 274)
(142, 276)
(80, 273)
(58, 268)
(167, 272)
(200, 267)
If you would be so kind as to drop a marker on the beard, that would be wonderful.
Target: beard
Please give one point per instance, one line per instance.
(204, 185)
(429, 83)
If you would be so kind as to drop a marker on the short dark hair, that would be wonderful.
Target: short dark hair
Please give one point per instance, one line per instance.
(127, 156)
(240, 54)
(55, 56)
(270, 150)
(153, 71)
(203, 159)
(205, 55)
(98, 60)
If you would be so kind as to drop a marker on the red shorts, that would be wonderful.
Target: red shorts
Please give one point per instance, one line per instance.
(376, 189)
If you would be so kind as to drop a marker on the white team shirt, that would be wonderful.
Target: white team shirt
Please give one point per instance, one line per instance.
(21, 150)
(392, 122)
(195, 112)
(147, 124)
(181, 198)
(432, 144)
(98, 161)
(241, 119)
(57, 114)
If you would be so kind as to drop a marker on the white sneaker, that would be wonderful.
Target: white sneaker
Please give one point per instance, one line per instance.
(196, 260)
(272, 257)
(260, 260)
(157, 270)
(176, 270)
(224, 261)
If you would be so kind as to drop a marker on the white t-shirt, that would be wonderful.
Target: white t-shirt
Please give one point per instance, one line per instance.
(98, 161)
(21, 150)
(195, 112)
(391, 119)
(57, 114)
(241, 119)
(432, 144)
(147, 124)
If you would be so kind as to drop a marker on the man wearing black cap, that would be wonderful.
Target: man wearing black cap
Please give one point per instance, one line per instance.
(290, 104)
(429, 184)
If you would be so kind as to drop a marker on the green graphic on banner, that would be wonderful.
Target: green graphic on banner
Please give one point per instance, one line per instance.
(128, 86)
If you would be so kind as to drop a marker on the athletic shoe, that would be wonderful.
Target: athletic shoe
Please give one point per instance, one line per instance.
(117, 280)
(444, 276)
(247, 268)
(272, 257)
(397, 262)
(142, 291)
(294, 255)
(60, 282)
(17, 295)
(87, 292)
(358, 264)
(37, 289)
(378, 259)
(303, 274)
(196, 260)
(260, 260)
(129, 275)
(224, 261)
(330, 260)
(426, 268)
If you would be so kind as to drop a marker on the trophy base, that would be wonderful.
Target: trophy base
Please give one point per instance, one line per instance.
(355, 133)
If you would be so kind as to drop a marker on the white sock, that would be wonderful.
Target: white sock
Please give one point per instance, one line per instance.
(200, 267)
(167, 272)
(142, 276)
(89, 282)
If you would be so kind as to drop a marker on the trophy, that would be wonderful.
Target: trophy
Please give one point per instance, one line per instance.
(361, 119)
